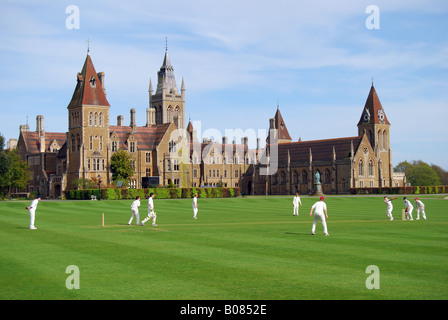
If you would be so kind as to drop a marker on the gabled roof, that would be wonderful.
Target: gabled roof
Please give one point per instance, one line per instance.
(373, 106)
(32, 140)
(89, 90)
(148, 138)
(321, 150)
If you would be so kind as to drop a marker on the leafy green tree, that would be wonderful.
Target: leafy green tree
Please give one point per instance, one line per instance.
(443, 175)
(121, 165)
(421, 174)
(403, 166)
(14, 172)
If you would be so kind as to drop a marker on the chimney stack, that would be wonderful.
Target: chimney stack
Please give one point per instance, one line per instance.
(120, 121)
(40, 132)
(132, 124)
(101, 77)
(40, 124)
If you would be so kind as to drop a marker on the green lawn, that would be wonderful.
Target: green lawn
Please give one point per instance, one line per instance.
(243, 248)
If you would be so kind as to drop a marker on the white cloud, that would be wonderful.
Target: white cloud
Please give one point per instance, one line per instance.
(236, 56)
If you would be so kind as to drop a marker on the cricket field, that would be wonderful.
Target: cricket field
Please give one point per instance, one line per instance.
(250, 248)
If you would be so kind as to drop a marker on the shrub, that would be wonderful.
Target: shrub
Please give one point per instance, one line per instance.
(202, 193)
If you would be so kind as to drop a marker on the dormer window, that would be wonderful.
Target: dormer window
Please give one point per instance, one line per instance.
(92, 81)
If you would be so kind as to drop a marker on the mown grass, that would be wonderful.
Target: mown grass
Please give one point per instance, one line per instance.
(243, 248)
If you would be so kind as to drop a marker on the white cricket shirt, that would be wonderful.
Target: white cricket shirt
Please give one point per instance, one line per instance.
(408, 204)
(33, 204)
(319, 207)
(135, 205)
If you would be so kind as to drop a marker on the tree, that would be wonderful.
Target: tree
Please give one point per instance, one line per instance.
(419, 173)
(14, 172)
(422, 174)
(403, 166)
(2, 142)
(121, 165)
(443, 175)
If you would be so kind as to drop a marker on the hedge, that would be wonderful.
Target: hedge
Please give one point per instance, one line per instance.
(401, 190)
(159, 193)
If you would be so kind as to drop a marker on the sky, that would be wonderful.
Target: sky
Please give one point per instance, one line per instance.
(240, 60)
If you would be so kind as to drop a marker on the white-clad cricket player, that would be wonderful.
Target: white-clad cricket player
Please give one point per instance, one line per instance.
(195, 206)
(408, 209)
(320, 208)
(389, 206)
(32, 209)
(420, 208)
(134, 208)
(295, 203)
(151, 213)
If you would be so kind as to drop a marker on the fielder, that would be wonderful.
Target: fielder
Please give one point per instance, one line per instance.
(321, 208)
(390, 207)
(151, 213)
(420, 208)
(195, 206)
(295, 203)
(134, 208)
(32, 209)
(408, 209)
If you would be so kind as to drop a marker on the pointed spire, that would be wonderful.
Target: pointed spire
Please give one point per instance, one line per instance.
(166, 75)
(373, 112)
(89, 90)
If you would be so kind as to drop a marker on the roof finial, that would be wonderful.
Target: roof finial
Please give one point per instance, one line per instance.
(88, 45)
(166, 44)
(372, 81)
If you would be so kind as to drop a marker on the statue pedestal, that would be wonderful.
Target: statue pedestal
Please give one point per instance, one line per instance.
(318, 189)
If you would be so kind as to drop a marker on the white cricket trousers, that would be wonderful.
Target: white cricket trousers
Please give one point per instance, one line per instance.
(135, 214)
(321, 217)
(296, 210)
(195, 212)
(151, 214)
(389, 214)
(32, 217)
(409, 214)
(423, 213)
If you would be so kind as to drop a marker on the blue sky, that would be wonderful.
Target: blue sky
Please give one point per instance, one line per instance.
(240, 59)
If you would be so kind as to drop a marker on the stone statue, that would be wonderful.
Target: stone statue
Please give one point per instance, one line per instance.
(317, 176)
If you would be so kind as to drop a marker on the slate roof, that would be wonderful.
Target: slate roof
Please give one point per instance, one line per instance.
(148, 138)
(32, 140)
(373, 105)
(321, 150)
(89, 90)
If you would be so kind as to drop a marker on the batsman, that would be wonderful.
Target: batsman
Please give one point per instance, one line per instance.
(151, 212)
(390, 207)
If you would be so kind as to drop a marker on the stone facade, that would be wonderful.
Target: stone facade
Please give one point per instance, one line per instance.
(164, 151)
